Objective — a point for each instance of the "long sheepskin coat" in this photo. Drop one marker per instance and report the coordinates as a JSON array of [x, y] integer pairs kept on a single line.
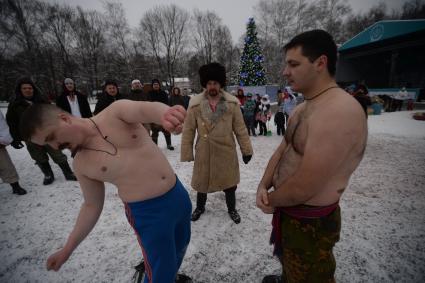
[[216, 165]]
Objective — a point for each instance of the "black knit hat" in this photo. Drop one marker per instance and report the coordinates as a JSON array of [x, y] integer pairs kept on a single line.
[[156, 81], [212, 72]]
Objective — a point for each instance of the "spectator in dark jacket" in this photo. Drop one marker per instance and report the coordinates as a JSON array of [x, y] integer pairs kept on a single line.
[[175, 97], [110, 94], [26, 94], [137, 93], [158, 95], [361, 94], [186, 98], [257, 106], [73, 101]]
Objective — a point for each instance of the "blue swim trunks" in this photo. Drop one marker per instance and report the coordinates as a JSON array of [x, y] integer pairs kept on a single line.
[[162, 226]]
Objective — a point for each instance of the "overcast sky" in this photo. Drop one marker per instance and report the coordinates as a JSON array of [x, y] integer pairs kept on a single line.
[[234, 13]]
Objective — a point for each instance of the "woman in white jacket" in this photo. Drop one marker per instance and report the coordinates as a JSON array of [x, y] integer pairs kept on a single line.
[[7, 170]]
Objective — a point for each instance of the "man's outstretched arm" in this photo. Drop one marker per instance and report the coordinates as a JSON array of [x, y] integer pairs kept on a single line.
[[94, 196], [171, 118]]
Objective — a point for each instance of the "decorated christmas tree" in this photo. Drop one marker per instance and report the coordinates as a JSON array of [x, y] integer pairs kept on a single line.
[[251, 70]]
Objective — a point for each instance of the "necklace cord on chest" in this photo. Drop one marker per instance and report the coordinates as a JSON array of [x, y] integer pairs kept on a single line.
[[105, 138], [320, 93]]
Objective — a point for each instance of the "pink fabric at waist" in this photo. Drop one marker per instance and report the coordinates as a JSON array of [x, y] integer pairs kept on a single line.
[[308, 211]]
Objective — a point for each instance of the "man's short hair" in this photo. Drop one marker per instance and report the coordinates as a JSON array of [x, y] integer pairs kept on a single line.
[[36, 117], [314, 44], [109, 82]]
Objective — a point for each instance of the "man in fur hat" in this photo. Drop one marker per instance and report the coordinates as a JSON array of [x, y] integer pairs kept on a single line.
[[215, 115]]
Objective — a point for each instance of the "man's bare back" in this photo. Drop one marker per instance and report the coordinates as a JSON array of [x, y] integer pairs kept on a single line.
[[336, 112], [130, 160]]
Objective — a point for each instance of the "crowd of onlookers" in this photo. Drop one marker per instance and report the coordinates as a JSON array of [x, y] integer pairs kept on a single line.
[[257, 110]]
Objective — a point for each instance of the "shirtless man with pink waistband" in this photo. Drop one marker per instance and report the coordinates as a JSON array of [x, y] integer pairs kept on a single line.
[[307, 174]]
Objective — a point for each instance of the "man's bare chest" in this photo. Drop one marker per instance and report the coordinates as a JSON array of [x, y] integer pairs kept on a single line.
[[297, 132], [104, 166], [112, 155]]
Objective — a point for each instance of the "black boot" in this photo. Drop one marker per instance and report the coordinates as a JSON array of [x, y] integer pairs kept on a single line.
[[231, 204], [48, 173], [197, 213], [201, 200], [67, 172], [168, 141], [234, 215], [140, 272], [272, 279], [17, 189], [182, 278]]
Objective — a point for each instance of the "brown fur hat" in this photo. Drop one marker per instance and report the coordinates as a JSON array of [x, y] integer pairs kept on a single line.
[[212, 72]]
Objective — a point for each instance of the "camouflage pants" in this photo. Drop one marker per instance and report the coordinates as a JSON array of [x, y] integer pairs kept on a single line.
[[307, 247]]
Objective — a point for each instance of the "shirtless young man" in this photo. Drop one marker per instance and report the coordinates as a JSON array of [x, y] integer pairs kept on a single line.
[[309, 171], [114, 147]]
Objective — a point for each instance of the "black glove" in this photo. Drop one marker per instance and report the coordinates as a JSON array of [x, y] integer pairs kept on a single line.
[[17, 144], [246, 158]]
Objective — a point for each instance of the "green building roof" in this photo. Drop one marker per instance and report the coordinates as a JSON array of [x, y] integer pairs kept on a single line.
[[383, 30]]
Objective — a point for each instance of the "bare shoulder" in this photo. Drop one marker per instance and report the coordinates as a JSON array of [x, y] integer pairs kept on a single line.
[[347, 103], [340, 115], [341, 106], [120, 105]]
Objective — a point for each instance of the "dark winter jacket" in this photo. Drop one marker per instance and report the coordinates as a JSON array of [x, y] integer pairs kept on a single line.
[[105, 100], [139, 95], [63, 103], [249, 107], [176, 100], [158, 96], [186, 100], [19, 104]]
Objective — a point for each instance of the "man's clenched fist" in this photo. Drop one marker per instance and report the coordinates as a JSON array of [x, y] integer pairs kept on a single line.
[[173, 119]]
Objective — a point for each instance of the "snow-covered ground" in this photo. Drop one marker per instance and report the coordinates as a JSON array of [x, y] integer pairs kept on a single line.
[[383, 212]]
